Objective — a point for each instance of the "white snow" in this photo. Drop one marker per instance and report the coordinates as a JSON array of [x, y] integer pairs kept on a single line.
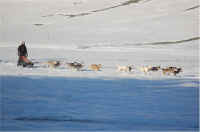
[[109, 57], [117, 36]]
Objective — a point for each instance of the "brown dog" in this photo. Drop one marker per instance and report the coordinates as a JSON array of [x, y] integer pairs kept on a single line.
[[173, 70], [95, 67]]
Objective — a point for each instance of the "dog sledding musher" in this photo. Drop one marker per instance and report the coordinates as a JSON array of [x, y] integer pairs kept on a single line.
[[23, 54]]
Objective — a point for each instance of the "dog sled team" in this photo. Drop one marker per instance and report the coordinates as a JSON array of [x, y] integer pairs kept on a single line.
[[25, 62], [147, 69]]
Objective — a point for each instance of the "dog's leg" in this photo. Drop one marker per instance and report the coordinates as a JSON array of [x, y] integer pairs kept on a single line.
[[163, 72], [167, 73], [51, 67], [145, 71], [175, 73]]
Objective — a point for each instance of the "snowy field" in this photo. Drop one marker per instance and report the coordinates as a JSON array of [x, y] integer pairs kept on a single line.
[[107, 32]]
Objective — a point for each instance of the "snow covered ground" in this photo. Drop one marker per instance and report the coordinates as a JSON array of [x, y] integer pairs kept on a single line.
[[107, 32], [110, 58]]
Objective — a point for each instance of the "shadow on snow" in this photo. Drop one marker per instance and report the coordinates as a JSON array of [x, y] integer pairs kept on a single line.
[[58, 103]]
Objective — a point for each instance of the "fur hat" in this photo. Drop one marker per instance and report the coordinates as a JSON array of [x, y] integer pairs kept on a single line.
[[22, 42]]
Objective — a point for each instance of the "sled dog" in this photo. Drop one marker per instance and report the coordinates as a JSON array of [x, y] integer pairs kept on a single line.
[[171, 70], [145, 69], [75, 65], [154, 68], [124, 68], [52, 64], [95, 67]]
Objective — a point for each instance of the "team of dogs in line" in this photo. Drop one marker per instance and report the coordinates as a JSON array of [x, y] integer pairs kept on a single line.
[[97, 67]]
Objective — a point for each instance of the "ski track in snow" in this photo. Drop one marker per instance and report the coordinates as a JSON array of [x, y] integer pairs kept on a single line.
[[126, 3]]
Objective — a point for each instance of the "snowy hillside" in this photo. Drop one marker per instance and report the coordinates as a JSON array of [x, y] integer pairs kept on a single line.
[[111, 33], [92, 22]]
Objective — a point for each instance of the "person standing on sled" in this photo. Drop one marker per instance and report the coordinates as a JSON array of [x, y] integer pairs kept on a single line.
[[23, 54]]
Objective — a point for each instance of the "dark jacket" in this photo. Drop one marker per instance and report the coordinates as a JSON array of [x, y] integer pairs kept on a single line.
[[22, 51]]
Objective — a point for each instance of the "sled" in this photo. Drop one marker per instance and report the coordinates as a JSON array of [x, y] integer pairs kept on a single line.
[[23, 61]]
